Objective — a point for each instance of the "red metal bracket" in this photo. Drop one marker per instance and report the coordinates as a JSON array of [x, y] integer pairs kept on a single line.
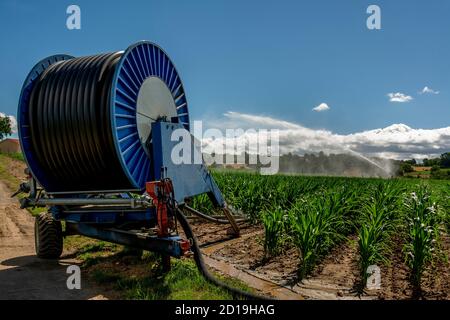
[[161, 193]]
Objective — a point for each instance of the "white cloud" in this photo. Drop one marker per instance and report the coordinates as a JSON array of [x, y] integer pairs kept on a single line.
[[399, 97], [13, 122], [321, 107], [397, 141], [427, 90]]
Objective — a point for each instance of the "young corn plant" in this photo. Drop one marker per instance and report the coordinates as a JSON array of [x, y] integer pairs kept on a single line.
[[273, 221], [446, 207], [314, 231], [379, 220], [372, 244], [202, 203], [424, 220]]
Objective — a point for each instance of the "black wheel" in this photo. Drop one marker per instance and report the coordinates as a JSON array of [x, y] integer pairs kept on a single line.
[[48, 236]]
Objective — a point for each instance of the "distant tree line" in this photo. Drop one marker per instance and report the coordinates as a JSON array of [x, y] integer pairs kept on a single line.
[[439, 166], [443, 161]]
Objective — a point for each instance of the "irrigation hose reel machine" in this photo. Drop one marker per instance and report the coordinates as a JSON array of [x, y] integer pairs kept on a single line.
[[95, 132]]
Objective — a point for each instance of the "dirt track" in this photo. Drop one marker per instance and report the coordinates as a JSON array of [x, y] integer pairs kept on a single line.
[[22, 274]]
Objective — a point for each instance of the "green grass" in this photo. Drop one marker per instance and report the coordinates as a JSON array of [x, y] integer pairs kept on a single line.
[[90, 251], [15, 155], [182, 282], [140, 276], [418, 173], [11, 181]]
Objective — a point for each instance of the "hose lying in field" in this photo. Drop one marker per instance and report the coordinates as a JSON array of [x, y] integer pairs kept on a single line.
[[198, 258], [211, 219]]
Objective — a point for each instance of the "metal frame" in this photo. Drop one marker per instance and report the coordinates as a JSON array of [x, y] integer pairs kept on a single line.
[[106, 219], [109, 214], [189, 179], [106, 216], [172, 245]]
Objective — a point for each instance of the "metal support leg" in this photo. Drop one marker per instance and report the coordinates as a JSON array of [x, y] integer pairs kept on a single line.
[[165, 260], [233, 223]]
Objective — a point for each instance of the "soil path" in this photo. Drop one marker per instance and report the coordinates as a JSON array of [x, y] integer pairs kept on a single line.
[[22, 274], [333, 279]]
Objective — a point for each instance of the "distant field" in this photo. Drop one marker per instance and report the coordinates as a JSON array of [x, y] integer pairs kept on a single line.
[[422, 169], [425, 172]]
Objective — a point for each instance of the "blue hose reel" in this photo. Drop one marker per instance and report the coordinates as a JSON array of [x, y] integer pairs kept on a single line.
[[145, 87], [95, 131]]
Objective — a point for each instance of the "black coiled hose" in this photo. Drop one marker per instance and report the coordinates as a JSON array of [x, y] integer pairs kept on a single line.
[[198, 258], [71, 127]]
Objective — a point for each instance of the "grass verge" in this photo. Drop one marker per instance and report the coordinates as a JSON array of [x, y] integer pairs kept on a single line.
[[10, 180], [138, 275], [8, 164]]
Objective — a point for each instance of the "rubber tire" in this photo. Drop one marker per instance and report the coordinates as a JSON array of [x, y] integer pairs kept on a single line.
[[48, 236]]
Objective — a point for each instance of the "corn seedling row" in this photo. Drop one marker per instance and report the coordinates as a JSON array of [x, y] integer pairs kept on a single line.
[[316, 213], [379, 220], [424, 220]]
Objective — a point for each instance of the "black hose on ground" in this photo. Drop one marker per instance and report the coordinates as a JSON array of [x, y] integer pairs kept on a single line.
[[212, 219], [198, 258]]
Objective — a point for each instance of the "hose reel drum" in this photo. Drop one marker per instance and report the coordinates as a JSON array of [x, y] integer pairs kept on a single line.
[[85, 123]]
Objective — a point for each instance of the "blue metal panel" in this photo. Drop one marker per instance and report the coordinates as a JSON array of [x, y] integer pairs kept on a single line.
[[189, 179], [105, 217], [169, 245], [140, 61]]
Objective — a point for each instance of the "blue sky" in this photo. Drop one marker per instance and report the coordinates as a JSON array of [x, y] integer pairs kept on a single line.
[[274, 58]]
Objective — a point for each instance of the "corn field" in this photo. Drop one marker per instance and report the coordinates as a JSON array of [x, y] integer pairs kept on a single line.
[[314, 214]]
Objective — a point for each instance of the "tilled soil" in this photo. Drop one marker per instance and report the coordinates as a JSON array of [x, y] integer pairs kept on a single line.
[[335, 277], [435, 281]]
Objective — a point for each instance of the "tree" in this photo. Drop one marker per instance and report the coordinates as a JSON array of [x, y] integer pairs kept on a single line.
[[5, 127], [431, 162], [445, 160], [406, 167]]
